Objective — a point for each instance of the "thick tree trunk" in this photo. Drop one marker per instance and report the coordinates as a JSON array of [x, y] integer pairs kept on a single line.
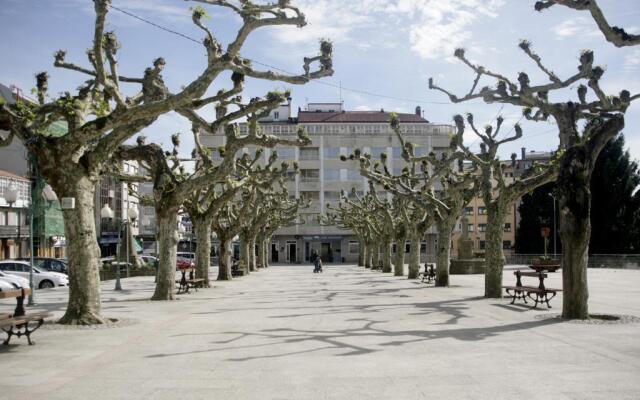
[[386, 255], [265, 252], [368, 260], [361, 253], [83, 307], [398, 262], [494, 256], [376, 255], [414, 255], [224, 270], [168, 243], [203, 251], [252, 253], [574, 199], [244, 253], [364, 254], [445, 229]]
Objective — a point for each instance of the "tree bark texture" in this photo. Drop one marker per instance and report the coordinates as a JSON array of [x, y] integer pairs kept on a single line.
[[244, 253], [494, 256], [376, 255], [203, 251], [398, 262], [83, 307], [574, 200], [445, 230], [386, 255], [414, 255], [368, 259], [224, 258], [168, 243], [261, 258], [252, 253]]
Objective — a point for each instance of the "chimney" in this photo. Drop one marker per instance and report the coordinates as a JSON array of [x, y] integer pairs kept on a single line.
[[524, 153], [418, 111]]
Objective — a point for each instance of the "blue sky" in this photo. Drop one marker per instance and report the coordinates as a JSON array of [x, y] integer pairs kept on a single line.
[[388, 47]]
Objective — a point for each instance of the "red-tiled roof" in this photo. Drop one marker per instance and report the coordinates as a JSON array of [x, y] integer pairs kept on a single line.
[[356, 116], [10, 175]]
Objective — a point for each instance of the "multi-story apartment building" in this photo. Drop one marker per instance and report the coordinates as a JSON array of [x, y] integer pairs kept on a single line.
[[115, 193], [335, 132]]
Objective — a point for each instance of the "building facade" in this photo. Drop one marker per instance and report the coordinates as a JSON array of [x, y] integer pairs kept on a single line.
[[335, 132]]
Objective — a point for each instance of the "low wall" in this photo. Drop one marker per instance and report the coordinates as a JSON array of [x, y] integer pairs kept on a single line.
[[626, 261]]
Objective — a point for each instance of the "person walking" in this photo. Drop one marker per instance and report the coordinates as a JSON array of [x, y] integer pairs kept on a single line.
[[317, 262]]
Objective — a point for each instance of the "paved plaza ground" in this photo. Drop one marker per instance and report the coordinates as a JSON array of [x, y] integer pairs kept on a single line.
[[286, 333]]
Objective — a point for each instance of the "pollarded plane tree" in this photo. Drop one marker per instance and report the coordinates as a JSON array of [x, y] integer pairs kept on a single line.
[[204, 203], [100, 117], [342, 216], [417, 220], [498, 192], [585, 125], [457, 187], [370, 212], [614, 34], [283, 214], [172, 184]]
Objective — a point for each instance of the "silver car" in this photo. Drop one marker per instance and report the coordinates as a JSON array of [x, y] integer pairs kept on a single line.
[[41, 279]]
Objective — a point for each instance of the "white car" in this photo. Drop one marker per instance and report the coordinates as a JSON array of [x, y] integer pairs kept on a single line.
[[6, 286], [15, 280], [41, 279]]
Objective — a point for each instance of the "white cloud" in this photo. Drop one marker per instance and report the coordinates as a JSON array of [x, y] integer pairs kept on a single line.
[[433, 28], [576, 26], [632, 60]]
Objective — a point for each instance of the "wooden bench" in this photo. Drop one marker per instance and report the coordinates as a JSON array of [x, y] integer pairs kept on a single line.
[[236, 270], [18, 323], [429, 274], [522, 292], [185, 284]]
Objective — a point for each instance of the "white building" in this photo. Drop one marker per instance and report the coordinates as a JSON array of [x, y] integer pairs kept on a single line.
[[336, 132]]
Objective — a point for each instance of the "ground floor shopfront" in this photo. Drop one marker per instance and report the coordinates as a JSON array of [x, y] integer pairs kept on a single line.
[[332, 248]]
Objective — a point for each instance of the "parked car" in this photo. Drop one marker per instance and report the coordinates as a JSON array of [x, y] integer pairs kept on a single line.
[[48, 264], [15, 280], [41, 279], [185, 260], [4, 286], [149, 260]]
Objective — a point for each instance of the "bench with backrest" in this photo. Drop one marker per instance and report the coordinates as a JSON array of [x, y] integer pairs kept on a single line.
[[521, 291], [429, 274], [18, 323], [184, 284]]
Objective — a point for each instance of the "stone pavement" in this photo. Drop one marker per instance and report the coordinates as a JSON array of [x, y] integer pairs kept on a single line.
[[286, 333]]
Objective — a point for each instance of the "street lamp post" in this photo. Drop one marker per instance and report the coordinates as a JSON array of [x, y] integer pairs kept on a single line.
[[554, 224], [11, 196], [107, 213]]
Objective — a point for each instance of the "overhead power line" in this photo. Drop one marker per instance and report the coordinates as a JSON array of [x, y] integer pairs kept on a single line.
[[325, 83]]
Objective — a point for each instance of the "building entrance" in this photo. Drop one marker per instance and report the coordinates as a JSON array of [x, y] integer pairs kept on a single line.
[[291, 252], [274, 252]]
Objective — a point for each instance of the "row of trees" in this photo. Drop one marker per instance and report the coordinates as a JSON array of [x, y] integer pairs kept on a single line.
[[229, 196], [434, 184]]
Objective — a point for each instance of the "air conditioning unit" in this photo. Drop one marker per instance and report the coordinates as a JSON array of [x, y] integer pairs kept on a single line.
[[68, 203]]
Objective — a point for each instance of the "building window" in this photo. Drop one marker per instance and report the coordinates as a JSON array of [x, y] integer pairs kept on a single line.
[[407, 247], [276, 115], [506, 244], [376, 151], [354, 175], [507, 227], [397, 152], [286, 153], [290, 176], [331, 196], [423, 247], [309, 175], [332, 153], [309, 195], [470, 227], [483, 245], [354, 247], [468, 211], [309, 153], [482, 210], [332, 175], [482, 227]]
